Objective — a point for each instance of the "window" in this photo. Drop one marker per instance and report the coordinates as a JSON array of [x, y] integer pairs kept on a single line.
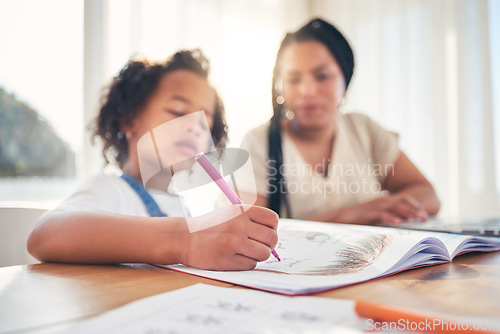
[[41, 122]]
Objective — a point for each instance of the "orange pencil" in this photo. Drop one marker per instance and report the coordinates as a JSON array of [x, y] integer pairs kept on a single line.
[[403, 320]]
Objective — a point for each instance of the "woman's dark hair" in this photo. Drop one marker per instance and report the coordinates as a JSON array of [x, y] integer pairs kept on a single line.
[[129, 92], [315, 30]]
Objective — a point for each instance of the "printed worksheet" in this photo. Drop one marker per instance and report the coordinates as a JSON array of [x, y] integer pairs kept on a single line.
[[205, 308]]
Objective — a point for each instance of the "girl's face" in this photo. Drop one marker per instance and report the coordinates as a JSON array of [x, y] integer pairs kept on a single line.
[[169, 126], [313, 84]]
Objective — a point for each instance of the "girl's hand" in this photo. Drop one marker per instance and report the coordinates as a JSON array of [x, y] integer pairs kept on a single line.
[[393, 208], [231, 238]]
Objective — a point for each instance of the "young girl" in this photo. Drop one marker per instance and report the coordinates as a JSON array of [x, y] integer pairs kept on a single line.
[[321, 164], [113, 219]]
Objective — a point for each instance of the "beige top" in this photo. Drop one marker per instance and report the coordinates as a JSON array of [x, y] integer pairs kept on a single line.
[[363, 155]]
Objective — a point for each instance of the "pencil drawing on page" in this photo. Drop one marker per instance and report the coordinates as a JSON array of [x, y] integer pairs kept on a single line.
[[320, 253]]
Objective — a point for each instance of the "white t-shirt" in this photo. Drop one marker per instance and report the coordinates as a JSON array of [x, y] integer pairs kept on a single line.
[[111, 193], [363, 155]]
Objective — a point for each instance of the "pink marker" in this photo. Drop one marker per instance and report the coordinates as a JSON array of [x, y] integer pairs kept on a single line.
[[222, 184]]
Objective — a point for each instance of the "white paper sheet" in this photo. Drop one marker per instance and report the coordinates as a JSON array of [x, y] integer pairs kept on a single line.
[[204, 308]]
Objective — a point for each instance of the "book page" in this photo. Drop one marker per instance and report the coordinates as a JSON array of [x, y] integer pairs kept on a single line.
[[322, 256], [459, 244], [325, 253]]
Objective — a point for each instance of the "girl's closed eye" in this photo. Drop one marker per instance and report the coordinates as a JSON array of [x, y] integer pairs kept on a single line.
[[175, 113]]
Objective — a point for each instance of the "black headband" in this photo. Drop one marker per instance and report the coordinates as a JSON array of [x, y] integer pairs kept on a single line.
[[327, 34]]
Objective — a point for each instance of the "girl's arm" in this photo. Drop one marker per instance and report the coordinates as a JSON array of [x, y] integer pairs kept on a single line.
[[102, 237], [226, 239]]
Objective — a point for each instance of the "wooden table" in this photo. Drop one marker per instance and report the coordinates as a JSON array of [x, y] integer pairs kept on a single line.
[[46, 298]]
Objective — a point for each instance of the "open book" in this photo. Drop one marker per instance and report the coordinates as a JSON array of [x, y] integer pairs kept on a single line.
[[322, 256]]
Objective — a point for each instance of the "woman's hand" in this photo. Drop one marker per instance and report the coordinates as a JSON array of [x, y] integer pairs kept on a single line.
[[231, 238], [393, 208]]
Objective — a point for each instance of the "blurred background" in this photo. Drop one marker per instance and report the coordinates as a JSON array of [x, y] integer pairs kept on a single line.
[[426, 69]]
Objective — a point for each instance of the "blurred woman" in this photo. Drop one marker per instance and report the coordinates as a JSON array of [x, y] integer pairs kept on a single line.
[[312, 161]]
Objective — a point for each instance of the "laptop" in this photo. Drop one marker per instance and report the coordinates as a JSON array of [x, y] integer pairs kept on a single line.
[[489, 227]]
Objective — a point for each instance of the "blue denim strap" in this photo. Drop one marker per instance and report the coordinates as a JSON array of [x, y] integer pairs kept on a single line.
[[147, 199]]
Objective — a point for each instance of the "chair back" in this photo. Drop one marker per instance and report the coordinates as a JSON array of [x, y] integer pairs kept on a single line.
[[16, 225]]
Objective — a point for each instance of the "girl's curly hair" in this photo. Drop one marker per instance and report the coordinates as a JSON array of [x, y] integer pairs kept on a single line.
[[129, 92]]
